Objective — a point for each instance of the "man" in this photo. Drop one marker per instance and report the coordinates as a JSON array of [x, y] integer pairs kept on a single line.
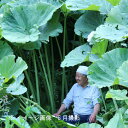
[[85, 98]]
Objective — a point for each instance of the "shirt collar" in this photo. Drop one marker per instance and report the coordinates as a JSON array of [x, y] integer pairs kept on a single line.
[[81, 86]]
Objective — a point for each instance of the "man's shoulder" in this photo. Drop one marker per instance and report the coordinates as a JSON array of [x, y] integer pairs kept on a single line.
[[93, 87], [75, 85]]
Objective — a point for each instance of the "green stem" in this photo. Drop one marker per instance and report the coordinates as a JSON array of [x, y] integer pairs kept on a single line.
[[42, 74], [63, 84], [22, 108], [34, 103], [49, 76], [52, 58], [47, 83], [30, 85], [27, 74], [36, 79], [60, 53], [63, 71], [27, 93], [47, 63], [41, 109], [64, 36]]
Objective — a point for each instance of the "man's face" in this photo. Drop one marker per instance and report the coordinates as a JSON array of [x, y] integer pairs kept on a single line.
[[81, 79]]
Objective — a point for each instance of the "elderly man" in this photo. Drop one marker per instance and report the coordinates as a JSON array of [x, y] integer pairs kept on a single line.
[[84, 97]]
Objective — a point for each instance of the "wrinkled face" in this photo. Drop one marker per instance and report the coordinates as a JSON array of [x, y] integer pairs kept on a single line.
[[81, 79]]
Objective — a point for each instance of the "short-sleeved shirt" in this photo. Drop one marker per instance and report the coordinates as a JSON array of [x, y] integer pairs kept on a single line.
[[84, 99]]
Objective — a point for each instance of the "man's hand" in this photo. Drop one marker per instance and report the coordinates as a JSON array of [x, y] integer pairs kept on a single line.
[[92, 118], [62, 108], [56, 114]]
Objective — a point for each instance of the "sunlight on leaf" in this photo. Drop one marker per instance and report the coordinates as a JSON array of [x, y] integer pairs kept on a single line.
[[114, 2], [115, 27], [99, 48], [117, 94], [96, 5]]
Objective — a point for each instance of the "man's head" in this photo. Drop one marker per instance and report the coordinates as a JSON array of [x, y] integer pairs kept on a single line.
[[81, 75]]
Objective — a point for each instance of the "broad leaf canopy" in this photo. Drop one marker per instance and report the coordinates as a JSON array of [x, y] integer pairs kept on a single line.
[[78, 55], [114, 2], [51, 29], [123, 74], [9, 68], [5, 49], [96, 5], [115, 27], [21, 24], [16, 88], [117, 94], [103, 72], [88, 22], [117, 121]]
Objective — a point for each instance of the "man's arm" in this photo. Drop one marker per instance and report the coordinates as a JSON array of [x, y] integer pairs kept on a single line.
[[92, 118], [66, 102], [61, 109]]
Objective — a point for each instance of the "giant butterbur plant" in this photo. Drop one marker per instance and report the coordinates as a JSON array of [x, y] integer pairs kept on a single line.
[[38, 35]]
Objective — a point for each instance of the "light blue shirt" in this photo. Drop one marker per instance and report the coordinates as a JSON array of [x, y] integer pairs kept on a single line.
[[84, 99]]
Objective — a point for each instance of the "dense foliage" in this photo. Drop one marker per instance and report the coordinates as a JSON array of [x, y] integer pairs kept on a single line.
[[41, 44]]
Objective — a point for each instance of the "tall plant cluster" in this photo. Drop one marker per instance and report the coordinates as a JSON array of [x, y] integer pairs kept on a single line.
[[41, 43]]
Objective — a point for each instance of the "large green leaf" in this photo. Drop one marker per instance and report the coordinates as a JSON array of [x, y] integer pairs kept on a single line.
[[31, 109], [99, 48], [16, 88], [20, 122], [117, 121], [114, 33], [114, 2], [117, 94], [4, 1], [103, 72], [77, 56], [56, 3], [123, 74], [20, 24], [5, 49], [9, 68], [87, 125], [102, 5], [51, 29], [115, 27], [29, 45], [88, 22]]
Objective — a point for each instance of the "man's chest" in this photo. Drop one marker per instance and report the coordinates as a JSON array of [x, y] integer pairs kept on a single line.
[[83, 96]]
